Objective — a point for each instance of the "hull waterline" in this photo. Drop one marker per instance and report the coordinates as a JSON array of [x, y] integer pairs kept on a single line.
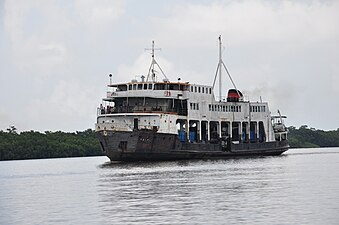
[[131, 146]]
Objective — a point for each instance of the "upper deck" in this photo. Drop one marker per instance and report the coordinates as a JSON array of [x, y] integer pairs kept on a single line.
[[167, 90]]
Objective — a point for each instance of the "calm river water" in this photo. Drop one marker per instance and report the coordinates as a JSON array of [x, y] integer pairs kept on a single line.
[[298, 187]]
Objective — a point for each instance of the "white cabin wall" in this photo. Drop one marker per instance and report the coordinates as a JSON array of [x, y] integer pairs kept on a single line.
[[168, 124], [115, 123]]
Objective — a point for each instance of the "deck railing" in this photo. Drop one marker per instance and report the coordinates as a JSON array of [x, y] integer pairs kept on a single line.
[[131, 109]]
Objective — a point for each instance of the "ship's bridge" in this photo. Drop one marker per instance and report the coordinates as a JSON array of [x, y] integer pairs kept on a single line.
[[148, 90]]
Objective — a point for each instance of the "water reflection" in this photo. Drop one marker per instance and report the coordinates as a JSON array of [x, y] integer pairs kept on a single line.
[[136, 192]]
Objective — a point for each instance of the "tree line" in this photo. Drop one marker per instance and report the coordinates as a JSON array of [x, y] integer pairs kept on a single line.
[[306, 137], [36, 145]]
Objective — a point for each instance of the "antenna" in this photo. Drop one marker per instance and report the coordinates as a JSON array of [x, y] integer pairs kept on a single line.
[[110, 79], [221, 63], [151, 70]]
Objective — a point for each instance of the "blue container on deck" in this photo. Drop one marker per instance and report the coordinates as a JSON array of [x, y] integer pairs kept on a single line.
[[252, 136], [192, 136], [182, 136]]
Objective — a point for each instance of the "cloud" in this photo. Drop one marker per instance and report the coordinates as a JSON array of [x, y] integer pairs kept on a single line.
[[141, 67], [248, 22], [68, 105], [97, 14], [42, 34], [335, 78], [4, 118], [36, 46]]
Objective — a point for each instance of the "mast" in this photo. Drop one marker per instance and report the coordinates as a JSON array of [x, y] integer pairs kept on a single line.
[[221, 63], [151, 70]]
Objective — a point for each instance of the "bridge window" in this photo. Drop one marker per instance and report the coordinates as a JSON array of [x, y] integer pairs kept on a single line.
[[150, 86], [175, 87], [122, 87], [159, 87]]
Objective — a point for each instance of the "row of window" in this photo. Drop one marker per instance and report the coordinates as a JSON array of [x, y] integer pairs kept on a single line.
[[140, 87], [224, 108], [258, 108], [234, 108], [145, 86], [201, 89], [194, 106], [149, 86]]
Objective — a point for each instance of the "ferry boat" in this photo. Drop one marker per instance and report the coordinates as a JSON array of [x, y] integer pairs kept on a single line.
[[147, 119]]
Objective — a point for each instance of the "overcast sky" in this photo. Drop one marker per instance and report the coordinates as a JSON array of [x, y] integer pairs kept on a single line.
[[55, 56]]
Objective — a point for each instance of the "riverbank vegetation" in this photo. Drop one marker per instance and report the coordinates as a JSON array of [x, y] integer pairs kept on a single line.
[[36, 145], [306, 137]]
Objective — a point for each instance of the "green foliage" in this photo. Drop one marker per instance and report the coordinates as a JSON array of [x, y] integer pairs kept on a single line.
[[36, 145], [306, 137]]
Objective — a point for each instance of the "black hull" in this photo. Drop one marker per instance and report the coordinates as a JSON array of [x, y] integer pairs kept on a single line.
[[151, 146]]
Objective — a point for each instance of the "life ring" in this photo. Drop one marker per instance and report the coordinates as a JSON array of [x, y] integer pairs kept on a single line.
[[167, 93], [105, 133]]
